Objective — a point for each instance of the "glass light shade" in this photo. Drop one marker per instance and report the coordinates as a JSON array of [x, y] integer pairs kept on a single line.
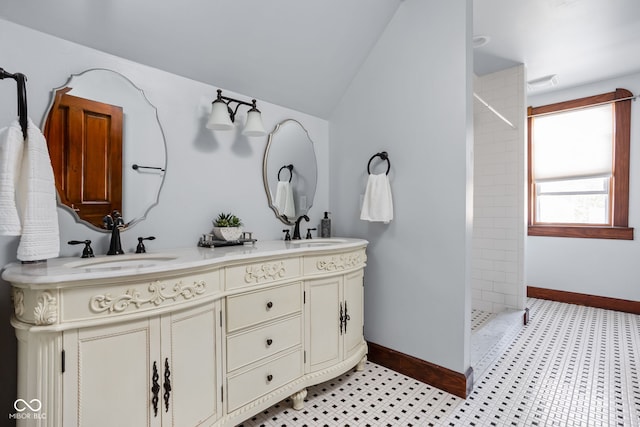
[[219, 118], [254, 126]]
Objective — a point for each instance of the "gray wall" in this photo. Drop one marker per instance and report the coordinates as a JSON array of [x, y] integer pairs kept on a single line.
[[206, 172], [412, 98], [602, 267]]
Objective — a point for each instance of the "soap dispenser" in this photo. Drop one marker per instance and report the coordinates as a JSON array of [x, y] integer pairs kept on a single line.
[[325, 226]]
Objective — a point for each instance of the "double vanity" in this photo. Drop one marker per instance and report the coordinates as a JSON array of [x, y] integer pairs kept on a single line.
[[187, 337]]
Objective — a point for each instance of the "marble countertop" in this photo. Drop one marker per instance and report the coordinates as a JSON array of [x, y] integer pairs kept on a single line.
[[74, 269]]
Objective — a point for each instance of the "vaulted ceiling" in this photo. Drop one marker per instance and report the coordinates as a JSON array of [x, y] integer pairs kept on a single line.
[[303, 54]]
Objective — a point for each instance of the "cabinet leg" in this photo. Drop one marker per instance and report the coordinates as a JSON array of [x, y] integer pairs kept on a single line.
[[361, 364], [298, 399]]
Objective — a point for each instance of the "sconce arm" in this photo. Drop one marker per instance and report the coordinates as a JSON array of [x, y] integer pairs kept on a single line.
[[227, 100]]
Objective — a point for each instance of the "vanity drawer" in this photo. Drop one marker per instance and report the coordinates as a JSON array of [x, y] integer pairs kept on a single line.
[[247, 347], [253, 308], [334, 262], [257, 273], [250, 385]]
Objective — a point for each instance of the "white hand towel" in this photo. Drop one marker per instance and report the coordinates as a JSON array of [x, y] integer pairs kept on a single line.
[[284, 199], [11, 147], [36, 197], [377, 205]]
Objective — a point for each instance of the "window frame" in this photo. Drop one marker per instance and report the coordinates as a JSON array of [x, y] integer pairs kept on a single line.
[[619, 194]]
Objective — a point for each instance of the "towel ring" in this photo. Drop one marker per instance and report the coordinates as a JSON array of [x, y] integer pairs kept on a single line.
[[384, 156], [290, 167]]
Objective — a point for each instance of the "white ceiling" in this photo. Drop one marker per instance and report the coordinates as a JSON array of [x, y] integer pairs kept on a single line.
[[303, 54], [581, 41]]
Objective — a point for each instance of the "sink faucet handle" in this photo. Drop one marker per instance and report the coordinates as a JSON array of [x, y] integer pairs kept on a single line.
[[309, 232], [287, 235], [140, 249], [87, 252]]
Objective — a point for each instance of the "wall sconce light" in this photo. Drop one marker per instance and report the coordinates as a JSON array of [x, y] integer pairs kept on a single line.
[[222, 116]]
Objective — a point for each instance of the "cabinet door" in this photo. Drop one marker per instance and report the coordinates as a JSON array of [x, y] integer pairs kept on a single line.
[[323, 339], [354, 308], [190, 367], [109, 374]]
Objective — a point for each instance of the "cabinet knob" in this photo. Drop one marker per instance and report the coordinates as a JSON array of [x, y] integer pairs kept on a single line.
[[269, 378], [269, 305], [269, 341]]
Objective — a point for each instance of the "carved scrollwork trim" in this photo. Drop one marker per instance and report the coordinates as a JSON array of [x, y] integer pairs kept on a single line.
[[264, 272], [157, 295], [18, 301], [46, 310], [340, 262]]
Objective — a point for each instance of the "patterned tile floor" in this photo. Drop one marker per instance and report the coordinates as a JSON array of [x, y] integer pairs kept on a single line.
[[571, 366]]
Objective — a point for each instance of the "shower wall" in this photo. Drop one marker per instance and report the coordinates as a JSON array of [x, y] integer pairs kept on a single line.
[[499, 223]]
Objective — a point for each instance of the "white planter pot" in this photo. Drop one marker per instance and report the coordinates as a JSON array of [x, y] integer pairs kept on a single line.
[[227, 233]]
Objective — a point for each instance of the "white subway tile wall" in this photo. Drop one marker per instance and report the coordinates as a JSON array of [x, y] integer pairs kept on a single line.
[[499, 192]]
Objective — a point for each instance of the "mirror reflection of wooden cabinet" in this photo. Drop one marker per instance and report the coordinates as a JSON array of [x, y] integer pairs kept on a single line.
[[85, 146], [143, 143]]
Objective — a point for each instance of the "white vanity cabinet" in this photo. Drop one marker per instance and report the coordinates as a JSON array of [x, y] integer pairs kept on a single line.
[[264, 342], [194, 337], [107, 367], [193, 354], [335, 319], [158, 371]]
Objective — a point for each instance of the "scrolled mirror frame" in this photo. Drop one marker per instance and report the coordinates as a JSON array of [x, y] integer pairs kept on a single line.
[[153, 203], [283, 218]]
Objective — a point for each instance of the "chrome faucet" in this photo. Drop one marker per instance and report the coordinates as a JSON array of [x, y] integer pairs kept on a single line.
[[296, 229]]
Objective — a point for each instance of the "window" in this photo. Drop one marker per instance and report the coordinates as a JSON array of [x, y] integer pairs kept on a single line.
[[579, 167]]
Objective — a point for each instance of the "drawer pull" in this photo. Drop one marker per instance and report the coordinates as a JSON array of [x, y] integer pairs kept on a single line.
[[269, 305], [269, 378], [269, 341]]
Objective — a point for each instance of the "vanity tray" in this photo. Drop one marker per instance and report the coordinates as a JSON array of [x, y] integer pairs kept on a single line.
[[214, 243]]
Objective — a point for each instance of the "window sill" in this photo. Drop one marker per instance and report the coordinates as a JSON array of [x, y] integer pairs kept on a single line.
[[618, 233]]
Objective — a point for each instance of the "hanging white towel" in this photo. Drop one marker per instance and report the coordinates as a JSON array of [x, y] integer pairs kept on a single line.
[[284, 199], [36, 196], [377, 205], [11, 147]]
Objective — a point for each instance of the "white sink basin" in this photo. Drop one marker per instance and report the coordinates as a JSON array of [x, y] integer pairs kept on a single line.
[[120, 262], [318, 242]]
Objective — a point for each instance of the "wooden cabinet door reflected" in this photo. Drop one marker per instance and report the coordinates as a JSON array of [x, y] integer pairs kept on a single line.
[[85, 146]]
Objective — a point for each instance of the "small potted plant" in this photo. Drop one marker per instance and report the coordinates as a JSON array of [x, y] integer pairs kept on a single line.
[[227, 227]]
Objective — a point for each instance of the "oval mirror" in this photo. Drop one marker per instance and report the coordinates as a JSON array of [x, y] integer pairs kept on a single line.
[[289, 171], [107, 148]]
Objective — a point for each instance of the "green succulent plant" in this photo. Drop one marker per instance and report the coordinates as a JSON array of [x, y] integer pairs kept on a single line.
[[227, 220]]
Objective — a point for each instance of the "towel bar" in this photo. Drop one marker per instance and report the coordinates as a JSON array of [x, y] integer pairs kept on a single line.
[[22, 97], [136, 167]]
